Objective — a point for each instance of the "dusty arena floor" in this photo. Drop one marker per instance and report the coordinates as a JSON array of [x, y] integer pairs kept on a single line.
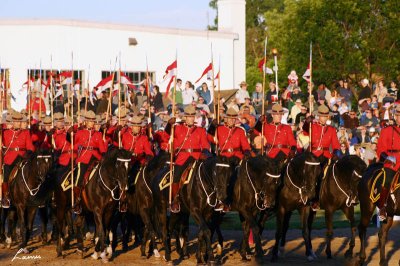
[[46, 254]]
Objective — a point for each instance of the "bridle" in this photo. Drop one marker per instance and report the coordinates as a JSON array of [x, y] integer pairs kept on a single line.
[[300, 189], [116, 186], [349, 200], [204, 189], [41, 176]]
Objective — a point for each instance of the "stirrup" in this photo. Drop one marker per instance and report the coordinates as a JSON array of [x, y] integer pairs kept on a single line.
[[382, 215], [175, 210], [315, 206], [123, 207], [5, 203], [219, 207]]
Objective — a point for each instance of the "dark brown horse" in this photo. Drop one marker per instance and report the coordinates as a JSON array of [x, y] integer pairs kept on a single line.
[[299, 183], [29, 190], [339, 192], [366, 192]]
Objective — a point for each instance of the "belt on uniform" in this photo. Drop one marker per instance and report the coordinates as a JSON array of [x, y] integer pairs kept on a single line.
[[90, 148], [188, 150], [64, 152], [393, 150], [15, 149], [280, 146], [320, 149], [231, 150]]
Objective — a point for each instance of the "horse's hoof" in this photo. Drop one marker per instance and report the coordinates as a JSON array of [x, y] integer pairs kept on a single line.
[[310, 258], [219, 250], [313, 255], [281, 252], [103, 257], [246, 257], [95, 255], [156, 253], [109, 252]]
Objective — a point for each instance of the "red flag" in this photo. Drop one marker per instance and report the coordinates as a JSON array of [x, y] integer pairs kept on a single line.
[[169, 85], [67, 75], [171, 70], [104, 84], [125, 79], [206, 72], [217, 76], [261, 66]]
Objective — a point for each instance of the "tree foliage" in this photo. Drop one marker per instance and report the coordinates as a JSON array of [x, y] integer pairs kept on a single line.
[[351, 38]]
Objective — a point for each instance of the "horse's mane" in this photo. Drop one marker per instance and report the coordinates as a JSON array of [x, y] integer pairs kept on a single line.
[[110, 157], [259, 163]]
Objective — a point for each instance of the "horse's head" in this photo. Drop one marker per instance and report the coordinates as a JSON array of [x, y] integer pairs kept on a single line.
[[309, 169], [350, 170], [122, 166], [223, 172], [267, 178], [41, 163]]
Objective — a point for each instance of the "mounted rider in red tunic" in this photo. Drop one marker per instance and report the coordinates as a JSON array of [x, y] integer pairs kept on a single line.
[[190, 144], [234, 146], [17, 145], [324, 143], [388, 150]]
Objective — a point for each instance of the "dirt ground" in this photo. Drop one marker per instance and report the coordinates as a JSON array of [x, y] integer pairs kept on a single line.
[[294, 251]]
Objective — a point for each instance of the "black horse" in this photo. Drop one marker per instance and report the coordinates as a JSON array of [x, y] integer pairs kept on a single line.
[[254, 190], [339, 191], [366, 192], [30, 189], [299, 183]]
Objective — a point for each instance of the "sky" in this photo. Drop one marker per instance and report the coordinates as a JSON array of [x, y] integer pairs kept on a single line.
[[188, 14]]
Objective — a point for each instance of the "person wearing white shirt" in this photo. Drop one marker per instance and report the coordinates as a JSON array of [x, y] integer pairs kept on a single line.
[[188, 94], [242, 93]]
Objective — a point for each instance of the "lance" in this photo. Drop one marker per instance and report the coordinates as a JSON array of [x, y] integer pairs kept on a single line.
[[119, 101], [219, 91], [148, 98], [275, 54], [171, 140], [2, 88], [109, 109], [29, 97], [72, 133], [311, 103], [51, 91], [1, 135], [40, 90], [87, 91], [78, 94], [263, 96], [216, 105]]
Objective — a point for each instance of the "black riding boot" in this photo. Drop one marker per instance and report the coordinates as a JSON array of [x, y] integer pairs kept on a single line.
[[5, 202], [77, 208], [382, 204]]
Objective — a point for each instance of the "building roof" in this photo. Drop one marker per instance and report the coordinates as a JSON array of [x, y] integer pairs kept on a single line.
[[114, 26]]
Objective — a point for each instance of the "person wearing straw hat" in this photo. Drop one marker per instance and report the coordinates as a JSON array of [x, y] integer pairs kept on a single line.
[[17, 145], [388, 150], [62, 145], [323, 140], [234, 146], [90, 147], [137, 143], [190, 145], [279, 140]]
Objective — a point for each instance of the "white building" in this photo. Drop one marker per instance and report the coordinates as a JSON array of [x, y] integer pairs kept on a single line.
[[49, 44]]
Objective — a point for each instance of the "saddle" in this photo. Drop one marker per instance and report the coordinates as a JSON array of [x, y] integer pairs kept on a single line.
[[185, 178], [66, 183], [15, 170], [379, 180]]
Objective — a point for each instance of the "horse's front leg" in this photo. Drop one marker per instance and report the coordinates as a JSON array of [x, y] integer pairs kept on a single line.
[[349, 212], [30, 217], [204, 237], [108, 218], [250, 218], [305, 211], [383, 232], [329, 231], [44, 220], [280, 215], [23, 229]]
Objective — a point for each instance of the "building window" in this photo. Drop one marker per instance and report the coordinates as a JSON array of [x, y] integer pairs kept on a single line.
[[135, 77]]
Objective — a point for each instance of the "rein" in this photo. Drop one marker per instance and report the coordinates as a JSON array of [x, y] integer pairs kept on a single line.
[[349, 201], [144, 179], [117, 186], [35, 190], [257, 195], [204, 189]]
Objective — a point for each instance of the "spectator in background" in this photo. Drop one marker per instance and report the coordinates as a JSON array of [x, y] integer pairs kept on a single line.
[[368, 120], [247, 104], [364, 95], [201, 105], [297, 94], [140, 97], [343, 108], [178, 93], [350, 120], [335, 118], [257, 98], [362, 136], [242, 93], [344, 151], [300, 117], [374, 103], [204, 92], [271, 94], [342, 135], [296, 109], [346, 94], [393, 92], [380, 91], [157, 99], [188, 94]]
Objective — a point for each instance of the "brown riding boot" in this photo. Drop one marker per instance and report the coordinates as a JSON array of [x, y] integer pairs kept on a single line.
[[175, 206], [382, 204], [5, 201], [77, 208]]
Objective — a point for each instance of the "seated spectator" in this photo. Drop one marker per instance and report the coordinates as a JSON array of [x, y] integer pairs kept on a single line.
[[374, 103], [344, 151], [350, 120], [247, 104], [297, 94], [201, 105], [335, 118], [301, 116], [368, 120], [343, 108], [362, 136], [296, 109], [342, 135]]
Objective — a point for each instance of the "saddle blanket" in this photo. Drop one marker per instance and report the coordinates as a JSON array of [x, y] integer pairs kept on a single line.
[[185, 178], [379, 180], [66, 183]]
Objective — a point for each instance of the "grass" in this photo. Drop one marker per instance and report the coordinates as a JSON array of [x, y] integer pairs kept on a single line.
[[231, 220]]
